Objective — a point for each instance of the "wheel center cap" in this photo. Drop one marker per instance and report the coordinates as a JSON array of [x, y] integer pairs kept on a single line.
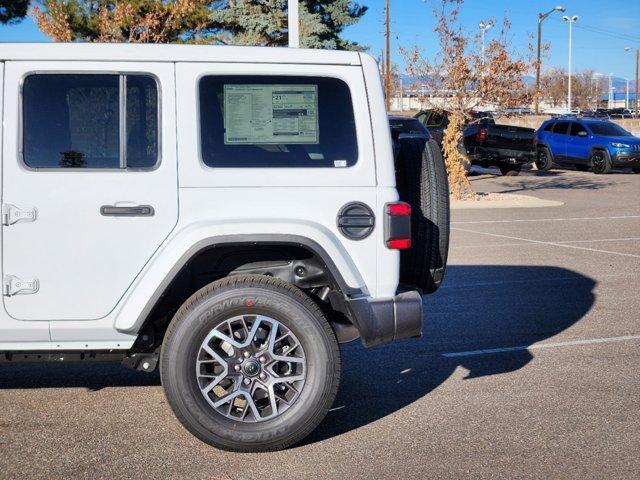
[[251, 368]]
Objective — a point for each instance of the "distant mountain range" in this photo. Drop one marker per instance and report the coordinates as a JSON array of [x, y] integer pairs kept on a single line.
[[619, 83]]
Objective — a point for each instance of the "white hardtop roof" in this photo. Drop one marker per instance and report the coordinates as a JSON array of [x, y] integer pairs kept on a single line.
[[127, 52]]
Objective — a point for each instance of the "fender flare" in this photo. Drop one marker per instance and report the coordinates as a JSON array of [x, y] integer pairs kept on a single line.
[[230, 240]]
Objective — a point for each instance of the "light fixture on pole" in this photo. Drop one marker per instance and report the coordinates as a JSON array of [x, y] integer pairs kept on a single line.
[[570, 21], [484, 26], [541, 18], [293, 24]]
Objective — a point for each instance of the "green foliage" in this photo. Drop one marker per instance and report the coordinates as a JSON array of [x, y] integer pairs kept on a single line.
[[12, 11], [263, 22], [233, 22]]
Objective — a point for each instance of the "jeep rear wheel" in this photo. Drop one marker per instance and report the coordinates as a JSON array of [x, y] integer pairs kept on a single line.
[[249, 363], [421, 179]]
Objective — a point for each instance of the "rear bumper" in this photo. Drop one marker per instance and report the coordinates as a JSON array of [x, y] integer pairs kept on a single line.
[[502, 155], [383, 321]]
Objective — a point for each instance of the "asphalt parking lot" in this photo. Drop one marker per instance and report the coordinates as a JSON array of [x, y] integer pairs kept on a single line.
[[528, 368]]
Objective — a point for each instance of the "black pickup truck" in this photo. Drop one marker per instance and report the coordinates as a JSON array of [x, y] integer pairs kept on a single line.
[[487, 143]]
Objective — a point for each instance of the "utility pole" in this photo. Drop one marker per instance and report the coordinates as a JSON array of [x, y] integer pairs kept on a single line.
[[293, 24], [541, 18], [387, 56], [570, 21]]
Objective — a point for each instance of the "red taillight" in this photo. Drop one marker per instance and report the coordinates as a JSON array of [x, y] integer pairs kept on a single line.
[[482, 134], [399, 243], [399, 209], [398, 226]]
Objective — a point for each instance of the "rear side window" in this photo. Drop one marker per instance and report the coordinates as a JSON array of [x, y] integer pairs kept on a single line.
[[575, 129], [548, 127], [409, 125], [561, 128], [89, 121], [251, 121], [436, 119]]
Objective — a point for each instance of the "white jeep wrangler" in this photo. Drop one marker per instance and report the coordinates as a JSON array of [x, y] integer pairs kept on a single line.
[[229, 213]]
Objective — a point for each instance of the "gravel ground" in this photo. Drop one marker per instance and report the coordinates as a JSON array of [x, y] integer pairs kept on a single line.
[[528, 368]]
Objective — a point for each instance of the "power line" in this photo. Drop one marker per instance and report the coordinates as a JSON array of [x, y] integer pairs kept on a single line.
[[609, 33]]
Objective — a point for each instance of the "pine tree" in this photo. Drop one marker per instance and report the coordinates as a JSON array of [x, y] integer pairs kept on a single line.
[[264, 22], [12, 11], [233, 22]]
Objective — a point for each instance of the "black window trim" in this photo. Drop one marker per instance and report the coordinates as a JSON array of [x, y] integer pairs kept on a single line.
[[121, 125], [203, 75]]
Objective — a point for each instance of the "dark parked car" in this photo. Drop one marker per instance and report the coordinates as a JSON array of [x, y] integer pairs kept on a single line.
[[437, 121], [406, 127], [586, 144], [487, 143]]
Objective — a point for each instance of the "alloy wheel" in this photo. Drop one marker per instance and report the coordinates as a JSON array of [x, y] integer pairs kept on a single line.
[[251, 368]]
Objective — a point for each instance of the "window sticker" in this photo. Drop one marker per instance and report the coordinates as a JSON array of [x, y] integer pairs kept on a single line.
[[270, 114]]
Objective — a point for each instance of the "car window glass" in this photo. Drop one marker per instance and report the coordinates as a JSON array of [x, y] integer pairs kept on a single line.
[[561, 128], [435, 119], [548, 127], [411, 126], [575, 129], [73, 121], [608, 129], [276, 121]]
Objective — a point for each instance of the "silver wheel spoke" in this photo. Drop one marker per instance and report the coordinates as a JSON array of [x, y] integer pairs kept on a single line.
[[251, 368]]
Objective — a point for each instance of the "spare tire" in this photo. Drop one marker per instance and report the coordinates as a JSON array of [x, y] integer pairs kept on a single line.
[[421, 180]]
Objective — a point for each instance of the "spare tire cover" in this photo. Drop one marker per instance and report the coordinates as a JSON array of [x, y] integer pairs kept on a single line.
[[421, 180]]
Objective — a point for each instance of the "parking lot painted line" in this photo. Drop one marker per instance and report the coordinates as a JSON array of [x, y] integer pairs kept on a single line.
[[488, 245], [539, 346], [529, 220], [555, 244], [628, 239]]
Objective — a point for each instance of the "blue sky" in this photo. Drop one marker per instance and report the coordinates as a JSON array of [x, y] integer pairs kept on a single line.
[[617, 22], [599, 37]]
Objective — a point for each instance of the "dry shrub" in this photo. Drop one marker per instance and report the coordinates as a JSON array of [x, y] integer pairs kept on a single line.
[[460, 79], [455, 159]]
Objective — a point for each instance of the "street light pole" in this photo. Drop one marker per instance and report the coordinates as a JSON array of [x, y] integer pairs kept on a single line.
[[635, 98], [484, 27], [570, 21], [541, 18], [626, 103]]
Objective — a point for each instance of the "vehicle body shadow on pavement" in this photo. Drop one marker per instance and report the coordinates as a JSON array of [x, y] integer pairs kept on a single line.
[[478, 307]]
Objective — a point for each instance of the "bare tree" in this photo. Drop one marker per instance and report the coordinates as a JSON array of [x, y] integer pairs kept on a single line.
[[461, 78]]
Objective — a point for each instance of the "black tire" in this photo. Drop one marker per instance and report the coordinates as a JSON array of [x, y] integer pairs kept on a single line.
[[249, 295], [600, 162], [582, 168], [422, 182], [544, 160], [510, 170], [636, 169]]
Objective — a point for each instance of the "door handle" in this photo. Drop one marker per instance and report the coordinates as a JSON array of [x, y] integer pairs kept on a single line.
[[130, 211]]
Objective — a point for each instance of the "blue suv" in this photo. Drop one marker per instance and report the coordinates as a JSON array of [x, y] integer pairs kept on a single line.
[[586, 144]]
